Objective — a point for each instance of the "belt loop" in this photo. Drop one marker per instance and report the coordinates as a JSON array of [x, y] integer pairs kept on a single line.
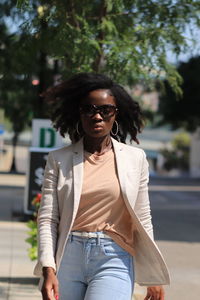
[[71, 237], [98, 239]]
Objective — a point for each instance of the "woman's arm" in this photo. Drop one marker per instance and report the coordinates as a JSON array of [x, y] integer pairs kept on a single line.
[[143, 212], [142, 205], [48, 220], [48, 215]]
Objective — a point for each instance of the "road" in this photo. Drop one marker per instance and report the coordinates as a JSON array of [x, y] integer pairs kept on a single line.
[[175, 205], [175, 214]]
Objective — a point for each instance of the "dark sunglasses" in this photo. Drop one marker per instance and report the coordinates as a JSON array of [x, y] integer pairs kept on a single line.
[[106, 111]]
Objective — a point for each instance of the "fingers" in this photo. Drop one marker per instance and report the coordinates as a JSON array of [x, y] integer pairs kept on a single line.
[[162, 294], [155, 293], [50, 284], [50, 291], [47, 293], [56, 293], [147, 297]]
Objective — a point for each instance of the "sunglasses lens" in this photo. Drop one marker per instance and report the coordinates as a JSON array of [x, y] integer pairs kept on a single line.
[[104, 110], [108, 110]]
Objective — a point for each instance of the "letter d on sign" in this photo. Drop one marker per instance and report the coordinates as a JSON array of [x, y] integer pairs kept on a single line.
[[47, 137]]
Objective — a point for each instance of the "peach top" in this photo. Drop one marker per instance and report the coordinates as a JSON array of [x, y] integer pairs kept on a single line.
[[102, 206]]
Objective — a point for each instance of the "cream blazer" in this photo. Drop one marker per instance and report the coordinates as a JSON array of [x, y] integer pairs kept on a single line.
[[61, 193]]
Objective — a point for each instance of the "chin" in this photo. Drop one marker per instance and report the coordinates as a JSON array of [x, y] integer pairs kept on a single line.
[[97, 134]]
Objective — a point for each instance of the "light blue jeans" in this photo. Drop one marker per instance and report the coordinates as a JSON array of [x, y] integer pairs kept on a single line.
[[95, 269]]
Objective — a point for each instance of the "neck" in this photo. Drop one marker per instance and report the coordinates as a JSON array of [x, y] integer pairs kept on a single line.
[[97, 145]]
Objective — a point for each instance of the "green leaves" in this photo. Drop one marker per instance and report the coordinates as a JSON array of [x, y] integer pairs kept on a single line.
[[32, 239], [22, 3], [108, 27], [102, 35], [126, 39]]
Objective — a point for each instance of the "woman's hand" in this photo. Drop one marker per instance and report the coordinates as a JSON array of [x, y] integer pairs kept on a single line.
[[155, 293], [50, 285]]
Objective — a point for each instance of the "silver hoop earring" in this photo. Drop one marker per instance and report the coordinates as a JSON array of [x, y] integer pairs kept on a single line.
[[77, 128], [117, 129]]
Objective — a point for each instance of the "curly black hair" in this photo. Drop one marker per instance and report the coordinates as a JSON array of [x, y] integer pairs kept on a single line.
[[64, 101]]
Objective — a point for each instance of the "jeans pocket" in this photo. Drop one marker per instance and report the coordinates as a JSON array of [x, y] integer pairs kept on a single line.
[[113, 249]]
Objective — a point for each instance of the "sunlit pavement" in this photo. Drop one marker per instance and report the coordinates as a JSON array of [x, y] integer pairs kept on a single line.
[[16, 281]]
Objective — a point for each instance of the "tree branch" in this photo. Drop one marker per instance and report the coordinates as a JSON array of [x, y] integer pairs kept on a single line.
[[100, 37]]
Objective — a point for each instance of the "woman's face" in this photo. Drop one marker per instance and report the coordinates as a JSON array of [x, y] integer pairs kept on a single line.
[[98, 113]]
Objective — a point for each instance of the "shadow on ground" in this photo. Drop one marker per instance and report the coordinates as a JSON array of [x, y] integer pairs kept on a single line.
[[20, 280]]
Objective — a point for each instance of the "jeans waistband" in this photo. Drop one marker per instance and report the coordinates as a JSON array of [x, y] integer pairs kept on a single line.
[[90, 235]]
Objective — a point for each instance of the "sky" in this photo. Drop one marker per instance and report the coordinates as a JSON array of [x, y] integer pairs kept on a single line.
[[193, 41]]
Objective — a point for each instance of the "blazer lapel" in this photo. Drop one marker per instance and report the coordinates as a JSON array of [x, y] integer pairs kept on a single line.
[[77, 174], [124, 167], [120, 162]]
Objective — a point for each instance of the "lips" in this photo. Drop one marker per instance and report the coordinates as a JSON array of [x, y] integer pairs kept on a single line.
[[96, 126]]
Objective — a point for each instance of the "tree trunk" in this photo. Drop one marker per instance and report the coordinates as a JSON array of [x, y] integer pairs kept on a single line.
[[13, 168], [39, 110], [100, 37]]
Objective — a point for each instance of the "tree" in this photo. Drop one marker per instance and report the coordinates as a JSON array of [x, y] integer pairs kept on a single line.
[[15, 85], [183, 111], [20, 63], [126, 39]]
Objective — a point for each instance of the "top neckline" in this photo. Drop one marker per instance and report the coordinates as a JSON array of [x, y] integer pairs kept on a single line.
[[95, 157]]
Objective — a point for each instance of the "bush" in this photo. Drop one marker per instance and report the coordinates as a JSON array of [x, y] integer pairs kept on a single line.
[[178, 156], [32, 225]]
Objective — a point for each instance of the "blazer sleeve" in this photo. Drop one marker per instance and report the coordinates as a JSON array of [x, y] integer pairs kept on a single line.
[[142, 205], [48, 216]]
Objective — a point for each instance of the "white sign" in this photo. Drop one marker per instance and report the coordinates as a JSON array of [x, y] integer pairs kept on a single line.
[[44, 135], [194, 154]]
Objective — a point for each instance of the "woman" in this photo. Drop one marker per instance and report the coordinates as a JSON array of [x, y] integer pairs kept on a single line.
[[94, 224]]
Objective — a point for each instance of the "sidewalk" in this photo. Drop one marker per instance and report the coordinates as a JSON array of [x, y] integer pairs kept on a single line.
[[16, 280]]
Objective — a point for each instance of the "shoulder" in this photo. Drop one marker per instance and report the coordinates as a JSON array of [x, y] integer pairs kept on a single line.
[[136, 157], [131, 149], [131, 155]]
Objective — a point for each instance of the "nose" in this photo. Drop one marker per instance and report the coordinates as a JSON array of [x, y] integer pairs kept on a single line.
[[97, 116]]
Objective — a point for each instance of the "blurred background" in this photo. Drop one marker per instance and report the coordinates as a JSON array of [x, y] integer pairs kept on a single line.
[[150, 47]]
